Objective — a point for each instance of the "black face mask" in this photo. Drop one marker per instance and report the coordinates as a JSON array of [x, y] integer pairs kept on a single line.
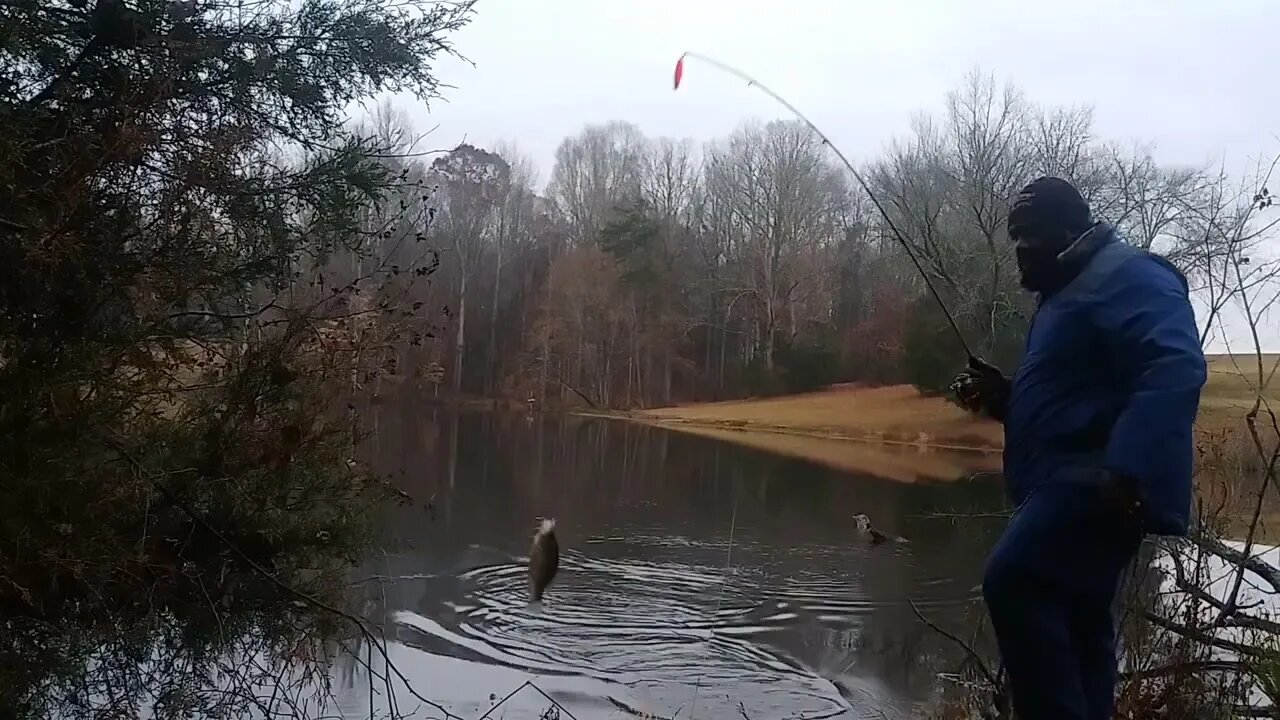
[[1045, 267], [1039, 268]]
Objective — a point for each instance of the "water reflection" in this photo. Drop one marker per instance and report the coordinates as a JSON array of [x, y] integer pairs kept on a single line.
[[698, 579]]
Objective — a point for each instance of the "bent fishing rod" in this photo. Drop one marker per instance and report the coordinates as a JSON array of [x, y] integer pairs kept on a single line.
[[866, 188]]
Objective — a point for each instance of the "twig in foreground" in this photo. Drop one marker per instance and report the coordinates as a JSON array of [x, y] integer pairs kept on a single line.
[[270, 577], [973, 655]]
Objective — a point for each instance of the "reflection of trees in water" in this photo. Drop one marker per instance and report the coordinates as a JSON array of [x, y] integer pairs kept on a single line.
[[575, 469], [671, 499], [373, 598]]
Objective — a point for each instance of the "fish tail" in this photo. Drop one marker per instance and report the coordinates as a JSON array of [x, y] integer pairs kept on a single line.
[[547, 526]]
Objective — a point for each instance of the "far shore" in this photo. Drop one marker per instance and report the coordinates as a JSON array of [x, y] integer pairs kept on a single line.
[[896, 431], [891, 432]]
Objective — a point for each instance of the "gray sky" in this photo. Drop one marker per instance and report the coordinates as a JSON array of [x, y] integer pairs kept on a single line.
[[1194, 77]]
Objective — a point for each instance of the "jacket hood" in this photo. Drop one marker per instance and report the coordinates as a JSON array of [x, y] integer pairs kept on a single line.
[[1078, 254]]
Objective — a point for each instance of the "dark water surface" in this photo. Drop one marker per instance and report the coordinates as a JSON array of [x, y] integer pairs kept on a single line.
[[698, 579]]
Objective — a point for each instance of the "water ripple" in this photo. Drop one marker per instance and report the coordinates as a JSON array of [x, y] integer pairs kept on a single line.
[[647, 617], [657, 633]]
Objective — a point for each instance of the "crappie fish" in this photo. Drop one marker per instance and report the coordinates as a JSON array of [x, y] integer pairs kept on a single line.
[[544, 559]]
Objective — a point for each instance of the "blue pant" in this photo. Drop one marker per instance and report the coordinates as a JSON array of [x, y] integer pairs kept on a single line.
[[1050, 584]]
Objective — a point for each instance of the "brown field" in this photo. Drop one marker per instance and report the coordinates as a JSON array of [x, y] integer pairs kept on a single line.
[[899, 414], [896, 432], [895, 414], [1230, 393]]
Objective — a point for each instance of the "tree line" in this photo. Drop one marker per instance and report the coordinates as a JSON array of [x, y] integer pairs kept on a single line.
[[653, 270]]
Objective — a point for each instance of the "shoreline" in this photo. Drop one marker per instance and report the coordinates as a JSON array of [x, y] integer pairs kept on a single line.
[[899, 415], [896, 430], [891, 416], [891, 432], [870, 439], [892, 460]]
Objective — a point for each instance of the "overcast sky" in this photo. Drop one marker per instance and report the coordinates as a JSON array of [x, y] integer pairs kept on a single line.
[[1195, 77]]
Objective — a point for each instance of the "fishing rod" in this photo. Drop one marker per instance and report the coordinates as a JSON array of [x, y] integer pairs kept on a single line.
[[866, 188]]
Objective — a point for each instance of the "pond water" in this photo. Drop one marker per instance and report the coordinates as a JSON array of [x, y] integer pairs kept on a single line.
[[698, 579]]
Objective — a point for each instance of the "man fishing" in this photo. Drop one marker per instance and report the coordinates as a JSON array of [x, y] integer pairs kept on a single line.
[[1098, 446]]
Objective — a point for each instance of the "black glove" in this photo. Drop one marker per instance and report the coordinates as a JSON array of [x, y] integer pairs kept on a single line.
[[981, 387], [1120, 496]]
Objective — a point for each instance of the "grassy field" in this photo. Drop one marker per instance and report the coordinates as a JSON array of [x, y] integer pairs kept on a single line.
[[1230, 392], [896, 415], [898, 431]]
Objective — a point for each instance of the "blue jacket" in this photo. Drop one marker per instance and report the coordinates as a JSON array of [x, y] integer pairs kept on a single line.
[[1110, 381]]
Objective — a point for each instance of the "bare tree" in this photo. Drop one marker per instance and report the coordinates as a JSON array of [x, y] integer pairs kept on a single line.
[[596, 172], [671, 188], [785, 195], [720, 257], [473, 184], [514, 231]]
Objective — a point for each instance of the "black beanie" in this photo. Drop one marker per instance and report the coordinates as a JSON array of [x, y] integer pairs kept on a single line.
[[1046, 205]]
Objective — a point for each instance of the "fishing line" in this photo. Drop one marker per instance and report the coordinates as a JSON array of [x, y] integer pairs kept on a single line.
[[866, 188], [724, 580]]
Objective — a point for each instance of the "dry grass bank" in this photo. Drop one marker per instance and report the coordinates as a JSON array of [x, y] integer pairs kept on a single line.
[[1230, 393], [890, 432], [900, 414], [897, 429], [896, 415]]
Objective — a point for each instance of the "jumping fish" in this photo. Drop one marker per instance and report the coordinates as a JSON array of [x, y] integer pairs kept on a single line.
[[544, 559]]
